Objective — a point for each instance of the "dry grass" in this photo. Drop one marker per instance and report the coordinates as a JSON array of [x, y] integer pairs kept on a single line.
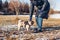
[[12, 19], [5, 20]]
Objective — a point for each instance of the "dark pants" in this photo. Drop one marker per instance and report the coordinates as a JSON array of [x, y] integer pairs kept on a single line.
[[39, 22]]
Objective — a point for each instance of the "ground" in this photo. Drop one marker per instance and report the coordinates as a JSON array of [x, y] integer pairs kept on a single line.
[[51, 27], [47, 34]]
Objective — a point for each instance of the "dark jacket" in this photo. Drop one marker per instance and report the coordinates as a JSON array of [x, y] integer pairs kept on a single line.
[[43, 8]]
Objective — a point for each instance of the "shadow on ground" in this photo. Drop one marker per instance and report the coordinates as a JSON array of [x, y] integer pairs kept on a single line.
[[35, 30], [51, 28]]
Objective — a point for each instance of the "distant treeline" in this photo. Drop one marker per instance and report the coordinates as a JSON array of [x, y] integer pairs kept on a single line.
[[11, 8], [16, 7]]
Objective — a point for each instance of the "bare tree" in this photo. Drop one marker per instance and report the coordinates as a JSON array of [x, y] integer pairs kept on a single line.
[[16, 6]]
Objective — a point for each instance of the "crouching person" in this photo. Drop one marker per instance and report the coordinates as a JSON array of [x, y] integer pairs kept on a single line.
[[43, 7]]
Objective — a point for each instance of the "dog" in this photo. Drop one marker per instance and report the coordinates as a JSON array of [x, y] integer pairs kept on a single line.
[[20, 24], [25, 24], [28, 24]]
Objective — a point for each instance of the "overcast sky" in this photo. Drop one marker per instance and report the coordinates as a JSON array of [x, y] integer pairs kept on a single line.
[[54, 3]]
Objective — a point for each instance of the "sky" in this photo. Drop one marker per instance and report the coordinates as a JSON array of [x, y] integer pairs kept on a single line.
[[55, 4]]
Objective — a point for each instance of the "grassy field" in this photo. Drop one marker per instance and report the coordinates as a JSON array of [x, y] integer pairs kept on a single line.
[[13, 19]]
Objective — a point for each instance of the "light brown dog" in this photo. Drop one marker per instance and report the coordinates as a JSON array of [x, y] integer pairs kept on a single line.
[[20, 24], [25, 24]]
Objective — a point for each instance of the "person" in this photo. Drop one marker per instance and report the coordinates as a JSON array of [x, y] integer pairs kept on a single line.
[[43, 7]]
